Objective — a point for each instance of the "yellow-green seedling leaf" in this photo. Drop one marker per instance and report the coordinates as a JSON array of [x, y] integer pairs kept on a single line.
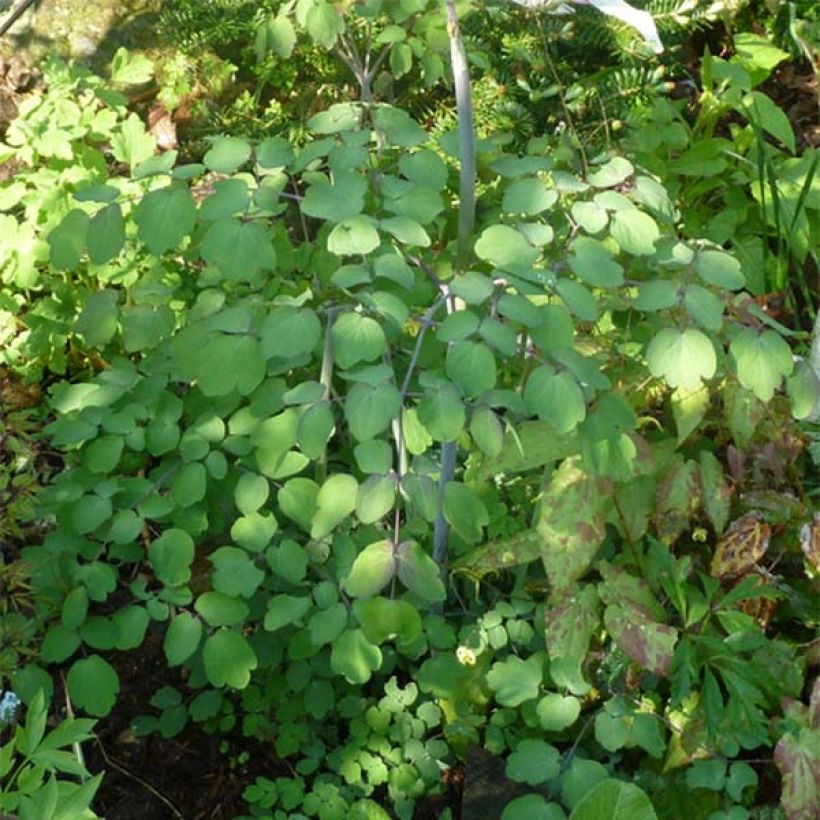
[[614, 800], [354, 657], [375, 498], [684, 358], [534, 762], [594, 263], [762, 360], [419, 572], [372, 570], [557, 712], [384, 619], [284, 610], [227, 154], [171, 555], [335, 500], [93, 685], [228, 659], [471, 365], [514, 680], [464, 511], [356, 338], [165, 217], [719, 269], [182, 638]]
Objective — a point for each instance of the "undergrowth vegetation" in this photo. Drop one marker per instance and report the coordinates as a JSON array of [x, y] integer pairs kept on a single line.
[[386, 492]]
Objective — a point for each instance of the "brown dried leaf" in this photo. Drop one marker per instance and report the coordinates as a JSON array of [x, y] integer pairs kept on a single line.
[[742, 546]]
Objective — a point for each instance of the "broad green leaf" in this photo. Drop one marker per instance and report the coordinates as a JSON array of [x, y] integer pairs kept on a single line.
[[288, 332], [189, 484], [375, 498], [590, 216], [464, 511], [182, 638], [228, 364], [145, 326], [336, 201], [762, 360], [717, 492], [354, 657], [557, 712], [275, 34], [106, 234], [528, 196], [353, 236], [164, 218], [131, 69], [804, 391], [228, 659], [514, 680], [505, 247], [532, 807], [325, 625], [762, 110], [239, 249], [555, 397], [89, 512], [67, 242], [254, 530], [250, 493], [471, 365], [227, 154], [689, 408], [171, 556], [284, 610], [384, 619], [93, 685], [648, 643], [657, 294], [704, 307], [274, 152], [534, 762], [419, 572], [442, 413], [719, 269], [369, 409], [372, 570], [97, 322], [103, 454], [487, 432], [356, 338], [612, 173], [578, 299], [131, 143], [684, 358], [324, 23], [297, 500], [234, 572], [335, 500], [635, 232], [614, 800], [457, 326], [594, 263], [316, 425]]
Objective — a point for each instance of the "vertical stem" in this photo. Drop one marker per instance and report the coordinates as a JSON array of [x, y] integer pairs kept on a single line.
[[466, 222], [326, 380]]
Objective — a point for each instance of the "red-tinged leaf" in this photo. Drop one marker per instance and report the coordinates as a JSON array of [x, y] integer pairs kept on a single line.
[[619, 587], [571, 621], [648, 643]]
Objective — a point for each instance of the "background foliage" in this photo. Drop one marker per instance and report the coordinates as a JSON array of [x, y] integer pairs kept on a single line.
[[380, 513]]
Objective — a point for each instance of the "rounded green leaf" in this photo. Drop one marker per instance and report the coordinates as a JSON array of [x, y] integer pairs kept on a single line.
[[719, 269], [93, 685], [354, 656], [254, 531], [182, 638], [369, 409], [89, 512], [594, 263], [288, 332], [106, 234], [614, 800], [464, 511], [372, 570], [355, 235], [635, 232], [419, 572], [505, 247], [227, 154], [684, 358], [611, 173], [442, 413], [171, 556], [375, 498], [356, 338], [189, 484], [762, 360], [558, 712], [487, 432], [103, 454], [532, 807], [228, 659], [335, 500], [250, 493], [528, 196], [285, 609], [125, 527], [239, 249], [514, 680], [534, 762], [165, 217], [234, 572], [219, 609], [555, 397], [471, 365]]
